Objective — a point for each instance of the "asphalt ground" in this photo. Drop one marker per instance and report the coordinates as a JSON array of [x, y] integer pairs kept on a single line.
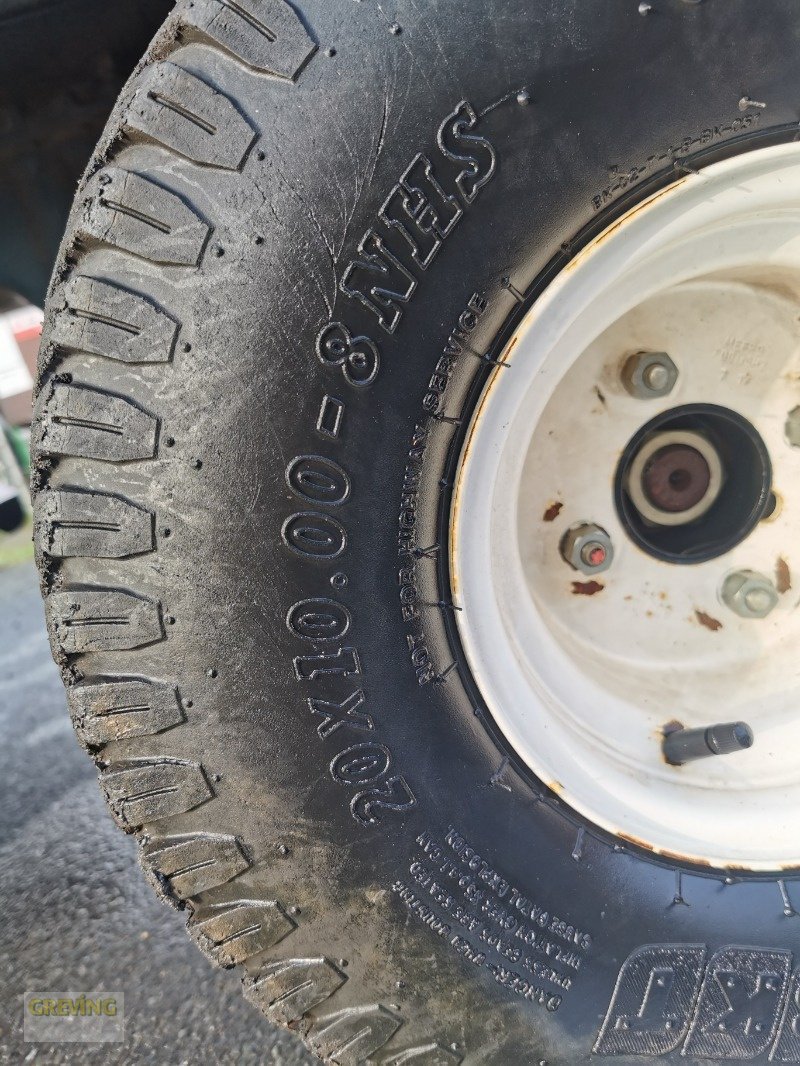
[[76, 915]]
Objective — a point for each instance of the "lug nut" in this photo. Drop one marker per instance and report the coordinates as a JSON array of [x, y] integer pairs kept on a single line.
[[748, 594], [656, 377], [587, 547], [688, 745], [648, 375]]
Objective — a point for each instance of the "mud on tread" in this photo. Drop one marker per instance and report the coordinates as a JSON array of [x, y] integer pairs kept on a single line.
[[183, 867], [232, 933], [116, 709]]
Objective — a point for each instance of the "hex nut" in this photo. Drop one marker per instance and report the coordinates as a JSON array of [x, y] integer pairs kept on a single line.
[[748, 594], [792, 427], [648, 375], [581, 542]]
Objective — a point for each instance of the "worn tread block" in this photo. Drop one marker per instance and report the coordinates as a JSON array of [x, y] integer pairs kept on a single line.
[[187, 115], [149, 790], [195, 863], [108, 320], [137, 215], [232, 933], [287, 990], [425, 1055], [351, 1036], [267, 35], [93, 525], [100, 619], [94, 424], [122, 708]]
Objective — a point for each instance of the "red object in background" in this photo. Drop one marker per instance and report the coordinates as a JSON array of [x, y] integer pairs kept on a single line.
[[20, 333]]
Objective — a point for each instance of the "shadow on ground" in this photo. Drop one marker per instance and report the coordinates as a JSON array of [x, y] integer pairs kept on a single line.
[[77, 914]]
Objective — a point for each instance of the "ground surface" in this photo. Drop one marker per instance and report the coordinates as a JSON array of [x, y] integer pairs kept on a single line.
[[77, 915]]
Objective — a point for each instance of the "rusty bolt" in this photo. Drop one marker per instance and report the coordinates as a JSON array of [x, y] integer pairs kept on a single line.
[[748, 594], [648, 375], [792, 427], [588, 548]]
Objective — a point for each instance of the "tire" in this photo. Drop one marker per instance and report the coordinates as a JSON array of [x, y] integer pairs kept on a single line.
[[243, 459]]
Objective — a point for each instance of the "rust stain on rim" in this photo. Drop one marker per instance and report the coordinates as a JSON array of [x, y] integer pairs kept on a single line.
[[674, 856], [631, 839], [586, 588], [783, 575], [710, 623], [615, 227]]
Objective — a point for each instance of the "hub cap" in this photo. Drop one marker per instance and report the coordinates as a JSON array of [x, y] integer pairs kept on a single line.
[[649, 423]]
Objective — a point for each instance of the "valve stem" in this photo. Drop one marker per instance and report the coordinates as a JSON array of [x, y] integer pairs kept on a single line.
[[688, 745]]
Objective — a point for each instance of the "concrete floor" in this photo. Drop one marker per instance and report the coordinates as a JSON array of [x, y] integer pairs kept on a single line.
[[75, 911]]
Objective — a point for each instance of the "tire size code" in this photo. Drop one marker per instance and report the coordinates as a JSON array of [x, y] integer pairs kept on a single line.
[[416, 219], [322, 625]]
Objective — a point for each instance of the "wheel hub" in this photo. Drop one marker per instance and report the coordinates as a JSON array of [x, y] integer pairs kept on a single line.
[[693, 482], [677, 478]]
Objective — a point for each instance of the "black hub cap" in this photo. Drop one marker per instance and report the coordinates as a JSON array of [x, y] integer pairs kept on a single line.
[[677, 476]]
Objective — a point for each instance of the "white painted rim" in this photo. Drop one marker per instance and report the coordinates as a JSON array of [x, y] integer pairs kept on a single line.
[[582, 686]]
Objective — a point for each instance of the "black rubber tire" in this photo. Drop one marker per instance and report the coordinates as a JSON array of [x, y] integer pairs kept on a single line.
[[239, 504]]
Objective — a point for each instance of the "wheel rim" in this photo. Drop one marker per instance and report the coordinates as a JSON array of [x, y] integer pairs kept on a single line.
[[585, 669]]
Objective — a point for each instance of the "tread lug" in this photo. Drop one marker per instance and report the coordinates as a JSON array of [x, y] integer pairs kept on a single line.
[[352, 1036], [84, 524], [232, 933], [286, 990], [149, 790], [94, 424], [137, 215], [190, 117], [84, 620], [267, 35], [108, 320], [124, 707], [195, 863]]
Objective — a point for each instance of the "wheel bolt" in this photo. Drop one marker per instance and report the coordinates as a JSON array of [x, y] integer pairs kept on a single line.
[[656, 377], [587, 547], [748, 594], [688, 745], [593, 554], [648, 375]]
